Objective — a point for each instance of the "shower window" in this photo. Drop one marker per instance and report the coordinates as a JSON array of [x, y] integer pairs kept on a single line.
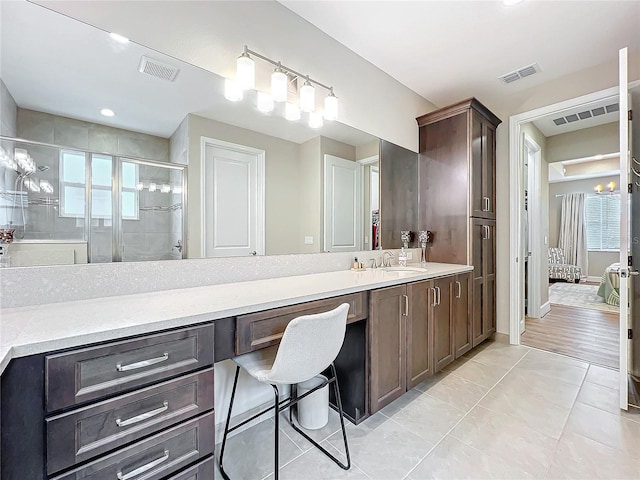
[[72, 183]]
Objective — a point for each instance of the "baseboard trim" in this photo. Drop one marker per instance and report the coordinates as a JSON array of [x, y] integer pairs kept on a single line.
[[544, 309], [594, 279]]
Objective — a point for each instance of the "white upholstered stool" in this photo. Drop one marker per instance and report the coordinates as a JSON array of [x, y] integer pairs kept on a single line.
[[309, 346]]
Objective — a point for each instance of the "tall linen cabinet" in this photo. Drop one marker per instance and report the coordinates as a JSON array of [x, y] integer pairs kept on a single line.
[[457, 168]]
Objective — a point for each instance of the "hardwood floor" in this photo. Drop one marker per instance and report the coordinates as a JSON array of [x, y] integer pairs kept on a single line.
[[590, 335]]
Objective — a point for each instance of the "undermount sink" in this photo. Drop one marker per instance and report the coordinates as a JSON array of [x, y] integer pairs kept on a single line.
[[398, 269]]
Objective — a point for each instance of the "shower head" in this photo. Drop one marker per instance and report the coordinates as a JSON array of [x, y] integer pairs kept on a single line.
[[44, 168]]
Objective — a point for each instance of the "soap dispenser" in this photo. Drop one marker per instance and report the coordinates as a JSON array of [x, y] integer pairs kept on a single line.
[[402, 256]]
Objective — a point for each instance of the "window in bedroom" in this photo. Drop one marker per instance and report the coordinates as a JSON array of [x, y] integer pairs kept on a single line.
[[602, 216]]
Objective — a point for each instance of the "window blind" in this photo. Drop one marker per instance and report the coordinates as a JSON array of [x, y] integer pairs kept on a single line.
[[602, 217]]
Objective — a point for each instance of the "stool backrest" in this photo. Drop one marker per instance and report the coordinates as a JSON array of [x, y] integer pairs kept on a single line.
[[309, 344]]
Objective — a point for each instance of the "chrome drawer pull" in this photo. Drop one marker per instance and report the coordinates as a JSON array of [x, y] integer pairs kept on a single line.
[[459, 289], [144, 468], [435, 297], [142, 416], [142, 364]]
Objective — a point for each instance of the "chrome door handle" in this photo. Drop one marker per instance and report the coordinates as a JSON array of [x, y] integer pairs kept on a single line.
[[438, 289], [485, 202], [142, 364], [459, 289], [487, 233], [253, 254], [435, 297], [635, 273], [142, 416], [144, 468], [406, 305]]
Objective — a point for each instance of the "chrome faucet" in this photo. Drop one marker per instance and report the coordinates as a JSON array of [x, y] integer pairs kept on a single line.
[[373, 263], [386, 258]]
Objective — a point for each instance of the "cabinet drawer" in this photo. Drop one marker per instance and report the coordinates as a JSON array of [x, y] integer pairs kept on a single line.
[[82, 434], [95, 372], [201, 471], [156, 457], [263, 329]]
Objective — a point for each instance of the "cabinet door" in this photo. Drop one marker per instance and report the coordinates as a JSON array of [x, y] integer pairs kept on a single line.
[[489, 169], [478, 233], [489, 278], [387, 342], [476, 183], [419, 327], [462, 314], [443, 340]]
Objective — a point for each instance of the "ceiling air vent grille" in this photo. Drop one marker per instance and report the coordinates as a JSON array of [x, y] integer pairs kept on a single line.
[[520, 73], [156, 68], [574, 117]]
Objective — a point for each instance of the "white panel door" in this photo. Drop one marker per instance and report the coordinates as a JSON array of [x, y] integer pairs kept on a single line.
[[342, 205], [233, 200], [625, 230]]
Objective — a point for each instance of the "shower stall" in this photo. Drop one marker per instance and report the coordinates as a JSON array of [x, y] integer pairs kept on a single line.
[[72, 206]]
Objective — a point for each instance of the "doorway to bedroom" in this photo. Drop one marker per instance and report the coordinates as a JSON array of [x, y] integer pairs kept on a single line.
[[572, 208]]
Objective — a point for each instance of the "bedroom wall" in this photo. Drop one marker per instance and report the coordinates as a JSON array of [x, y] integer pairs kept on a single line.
[[598, 261]]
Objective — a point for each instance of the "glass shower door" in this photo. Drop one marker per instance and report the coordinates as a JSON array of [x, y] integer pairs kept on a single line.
[[151, 209]]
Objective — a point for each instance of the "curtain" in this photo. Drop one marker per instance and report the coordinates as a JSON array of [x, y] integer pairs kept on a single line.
[[573, 231]]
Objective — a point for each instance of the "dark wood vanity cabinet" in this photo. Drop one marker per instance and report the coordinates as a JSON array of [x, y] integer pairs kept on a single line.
[[458, 199], [462, 312]]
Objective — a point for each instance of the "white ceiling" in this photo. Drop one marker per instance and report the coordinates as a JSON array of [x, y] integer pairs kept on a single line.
[[449, 50], [65, 67]]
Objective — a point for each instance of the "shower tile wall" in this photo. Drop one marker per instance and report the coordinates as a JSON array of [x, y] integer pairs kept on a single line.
[[8, 112], [68, 132]]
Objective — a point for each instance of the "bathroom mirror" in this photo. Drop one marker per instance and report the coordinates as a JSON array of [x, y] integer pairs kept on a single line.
[[145, 183]]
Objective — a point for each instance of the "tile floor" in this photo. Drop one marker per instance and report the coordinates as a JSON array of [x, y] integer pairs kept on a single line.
[[501, 411]]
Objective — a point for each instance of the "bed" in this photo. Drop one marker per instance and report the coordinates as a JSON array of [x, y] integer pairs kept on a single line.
[[609, 288]]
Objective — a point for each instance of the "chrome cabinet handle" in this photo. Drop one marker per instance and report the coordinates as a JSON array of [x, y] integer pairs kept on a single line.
[[406, 305], [485, 204], [142, 416], [459, 294], [435, 297], [438, 290], [143, 468], [142, 364], [485, 232]]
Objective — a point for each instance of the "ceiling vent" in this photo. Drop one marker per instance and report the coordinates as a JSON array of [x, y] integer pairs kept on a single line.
[[156, 68], [574, 117], [520, 73]]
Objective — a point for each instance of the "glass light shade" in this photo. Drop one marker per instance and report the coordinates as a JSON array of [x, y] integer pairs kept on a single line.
[[139, 187], [46, 186], [315, 120], [265, 102], [246, 72], [232, 91], [292, 112], [612, 186], [279, 88], [598, 188], [165, 188], [152, 187], [331, 107], [307, 98]]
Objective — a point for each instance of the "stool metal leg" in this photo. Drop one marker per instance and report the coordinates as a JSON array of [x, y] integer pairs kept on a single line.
[[346, 466], [226, 426], [276, 411]]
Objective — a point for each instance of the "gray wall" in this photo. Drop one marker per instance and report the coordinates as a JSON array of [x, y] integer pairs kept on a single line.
[[8, 112], [598, 261]]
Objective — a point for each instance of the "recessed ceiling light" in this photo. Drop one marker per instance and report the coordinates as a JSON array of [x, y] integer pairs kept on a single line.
[[511, 3], [107, 112], [119, 38]]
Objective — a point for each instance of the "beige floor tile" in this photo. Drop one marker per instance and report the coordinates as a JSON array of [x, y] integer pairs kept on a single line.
[[479, 373], [498, 354], [604, 427], [551, 389], [603, 376], [383, 449], [554, 366], [315, 465], [428, 417], [400, 403], [490, 432], [249, 454], [579, 457], [332, 426], [457, 391], [539, 414], [452, 459]]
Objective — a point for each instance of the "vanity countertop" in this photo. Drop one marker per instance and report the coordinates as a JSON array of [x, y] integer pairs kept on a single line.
[[41, 328]]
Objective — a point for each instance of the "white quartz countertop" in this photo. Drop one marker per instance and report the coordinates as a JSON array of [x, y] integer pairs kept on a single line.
[[42, 328]]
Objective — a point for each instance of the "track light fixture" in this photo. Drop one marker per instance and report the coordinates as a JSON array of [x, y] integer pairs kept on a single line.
[[245, 80]]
